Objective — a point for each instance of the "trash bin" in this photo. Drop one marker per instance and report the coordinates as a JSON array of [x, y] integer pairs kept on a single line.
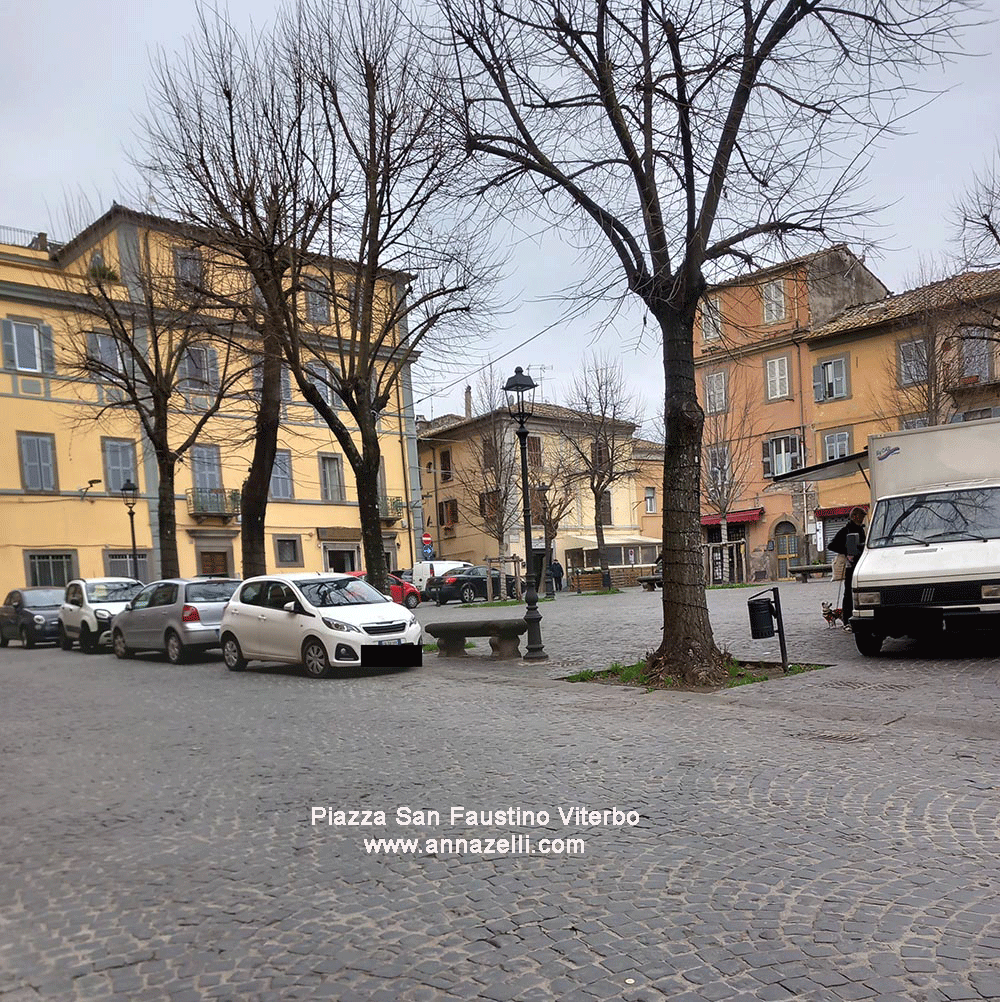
[[761, 618]]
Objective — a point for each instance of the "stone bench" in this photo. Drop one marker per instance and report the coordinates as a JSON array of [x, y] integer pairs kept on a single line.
[[503, 634], [805, 571], [650, 582]]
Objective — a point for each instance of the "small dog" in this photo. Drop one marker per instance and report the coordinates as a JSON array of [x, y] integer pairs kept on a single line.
[[831, 615]]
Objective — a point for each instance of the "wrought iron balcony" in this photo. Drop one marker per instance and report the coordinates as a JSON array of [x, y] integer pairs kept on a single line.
[[213, 502], [390, 509]]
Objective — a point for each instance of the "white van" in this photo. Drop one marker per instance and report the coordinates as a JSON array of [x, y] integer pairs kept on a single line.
[[424, 569]]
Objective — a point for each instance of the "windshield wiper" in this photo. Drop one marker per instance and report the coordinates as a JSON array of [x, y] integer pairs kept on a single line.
[[959, 532], [887, 540]]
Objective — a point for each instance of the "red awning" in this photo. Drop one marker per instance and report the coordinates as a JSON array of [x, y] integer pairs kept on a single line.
[[750, 515], [844, 509]]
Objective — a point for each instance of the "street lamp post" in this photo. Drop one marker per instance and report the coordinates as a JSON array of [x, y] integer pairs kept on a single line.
[[521, 410], [130, 494]]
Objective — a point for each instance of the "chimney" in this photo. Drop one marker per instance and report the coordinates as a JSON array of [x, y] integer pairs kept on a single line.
[[468, 401]]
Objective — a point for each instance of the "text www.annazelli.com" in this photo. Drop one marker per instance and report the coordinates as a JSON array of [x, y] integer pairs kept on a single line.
[[513, 845]]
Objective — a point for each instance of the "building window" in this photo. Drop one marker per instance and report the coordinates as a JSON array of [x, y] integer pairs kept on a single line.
[[650, 500], [600, 455], [830, 380], [27, 347], [489, 505], [206, 469], [782, 454], [445, 465], [715, 393], [118, 564], [318, 301], [604, 508], [836, 445], [490, 454], [774, 301], [50, 569], [448, 513], [912, 359], [38, 461], [777, 378], [331, 478], [914, 421], [718, 467], [976, 356], [189, 273], [281, 476], [711, 318], [288, 551], [108, 353], [534, 452], [119, 463], [194, 371]]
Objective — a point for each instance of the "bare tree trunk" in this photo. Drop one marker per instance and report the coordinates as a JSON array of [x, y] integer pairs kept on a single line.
[[687, 631], [366, 474], [257, 486], [167, 515], [602, 554]]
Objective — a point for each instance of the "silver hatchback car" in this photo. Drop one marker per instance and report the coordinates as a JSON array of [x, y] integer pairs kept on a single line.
[[179, 616]]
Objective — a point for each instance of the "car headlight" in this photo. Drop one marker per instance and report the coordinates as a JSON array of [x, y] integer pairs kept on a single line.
[[336, 624], [991, 591], [39, 620], [868, 598], [102, 614]]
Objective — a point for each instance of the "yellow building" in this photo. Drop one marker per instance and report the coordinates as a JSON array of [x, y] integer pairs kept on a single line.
[[464, 496], [65, 456], [797, 365]]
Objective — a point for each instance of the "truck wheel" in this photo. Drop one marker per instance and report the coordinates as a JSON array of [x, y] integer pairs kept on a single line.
[[869, 643]]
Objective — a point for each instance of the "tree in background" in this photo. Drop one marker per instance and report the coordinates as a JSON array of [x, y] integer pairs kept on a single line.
[[677, 138], [599, 440], [160, 354]]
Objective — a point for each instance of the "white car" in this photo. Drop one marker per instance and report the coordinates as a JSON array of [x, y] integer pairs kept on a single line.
[[88, 607], [323, 621]]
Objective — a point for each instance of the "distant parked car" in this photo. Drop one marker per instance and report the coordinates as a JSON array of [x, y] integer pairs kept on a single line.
[[177, 615], [401, 591], [321, 620], [468, 584], [405, 575], [88, 607], [31, 615]]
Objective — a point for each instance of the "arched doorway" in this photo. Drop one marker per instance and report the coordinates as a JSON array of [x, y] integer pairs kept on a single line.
[[786, 547]]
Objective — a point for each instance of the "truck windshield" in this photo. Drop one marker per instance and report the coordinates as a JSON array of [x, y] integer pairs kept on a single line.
[[939, 517]]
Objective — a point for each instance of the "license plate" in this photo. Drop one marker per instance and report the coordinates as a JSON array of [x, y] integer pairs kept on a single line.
[[384, 642]]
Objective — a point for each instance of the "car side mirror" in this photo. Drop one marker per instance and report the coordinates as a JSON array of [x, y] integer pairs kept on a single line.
[[291, 607], [128, 607]]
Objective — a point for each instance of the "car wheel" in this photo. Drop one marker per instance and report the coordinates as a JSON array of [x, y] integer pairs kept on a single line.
[[317, 664], [175, 648], [868, 643], [27, 640], [411, 601], [64, 641], [468, 594], [118, 645], [232, 654], [88, 642]]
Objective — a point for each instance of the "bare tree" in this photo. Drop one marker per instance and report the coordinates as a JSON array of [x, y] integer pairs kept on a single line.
[[977, 217], [600, 440], [730, 446], [158, 355], [681, 136]]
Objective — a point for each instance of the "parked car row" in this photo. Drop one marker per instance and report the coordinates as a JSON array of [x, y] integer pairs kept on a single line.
[[322, 620], [466, 584]]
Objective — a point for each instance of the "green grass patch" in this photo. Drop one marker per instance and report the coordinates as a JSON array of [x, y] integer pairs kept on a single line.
[[604, 591], [739, 673]]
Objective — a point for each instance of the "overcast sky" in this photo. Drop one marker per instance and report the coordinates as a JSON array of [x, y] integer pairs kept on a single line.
[[73, 78]]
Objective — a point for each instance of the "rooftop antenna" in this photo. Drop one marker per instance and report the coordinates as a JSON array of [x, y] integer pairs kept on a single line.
[[542, 369]]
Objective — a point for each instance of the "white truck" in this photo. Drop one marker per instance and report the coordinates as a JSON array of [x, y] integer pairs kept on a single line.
[[931, 561]]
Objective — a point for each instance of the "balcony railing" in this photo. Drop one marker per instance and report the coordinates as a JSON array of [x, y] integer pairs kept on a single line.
[[391, 509], [216, 502]]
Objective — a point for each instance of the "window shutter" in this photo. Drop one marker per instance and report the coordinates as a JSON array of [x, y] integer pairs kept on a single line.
[[796, 452], [286, 385], [183, 372], [213, 368], [48, 350], [819, 385], [766, 458], [9, 356]]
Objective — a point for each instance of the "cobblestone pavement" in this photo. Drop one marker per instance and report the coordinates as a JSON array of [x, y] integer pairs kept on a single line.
[[831, 836]]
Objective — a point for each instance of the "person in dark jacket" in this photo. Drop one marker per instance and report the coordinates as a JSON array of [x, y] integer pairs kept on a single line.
[[842, 544], [557, 574]]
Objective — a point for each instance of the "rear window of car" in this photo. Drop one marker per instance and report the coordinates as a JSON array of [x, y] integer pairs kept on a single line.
[[210, 591]]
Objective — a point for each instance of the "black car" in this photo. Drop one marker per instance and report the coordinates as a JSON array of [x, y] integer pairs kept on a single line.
[[31, 615], [468, 584]]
